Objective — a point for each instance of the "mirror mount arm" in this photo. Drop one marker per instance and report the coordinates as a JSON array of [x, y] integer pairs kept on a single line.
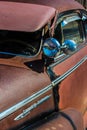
[[47, 60]]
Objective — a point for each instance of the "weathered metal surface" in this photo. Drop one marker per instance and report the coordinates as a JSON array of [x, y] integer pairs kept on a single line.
[[58, 122], [18, 88], [60, 5], [83, 2], [24, 17]]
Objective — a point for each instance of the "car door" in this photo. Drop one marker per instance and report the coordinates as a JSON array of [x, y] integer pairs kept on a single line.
[[71, 67]]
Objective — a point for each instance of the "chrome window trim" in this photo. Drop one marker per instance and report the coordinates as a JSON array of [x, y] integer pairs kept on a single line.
[[77, 14], [63, 16], [60, 58]]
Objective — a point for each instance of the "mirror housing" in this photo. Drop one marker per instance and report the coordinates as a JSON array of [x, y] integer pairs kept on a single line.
[[69, 46], [51, 47]]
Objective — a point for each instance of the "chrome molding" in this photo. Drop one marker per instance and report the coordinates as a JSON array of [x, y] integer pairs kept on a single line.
[[60, 58], [24, 102], [42, 91], [29, 109], [71, 70]]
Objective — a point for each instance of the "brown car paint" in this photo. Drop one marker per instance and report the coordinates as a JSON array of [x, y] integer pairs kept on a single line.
[[18, 81]]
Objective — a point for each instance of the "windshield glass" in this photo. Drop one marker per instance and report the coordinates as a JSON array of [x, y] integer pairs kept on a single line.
[[20, 43]]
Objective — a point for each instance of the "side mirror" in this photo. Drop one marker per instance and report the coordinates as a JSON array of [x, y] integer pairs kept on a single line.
[[69, 46], [51, 47]]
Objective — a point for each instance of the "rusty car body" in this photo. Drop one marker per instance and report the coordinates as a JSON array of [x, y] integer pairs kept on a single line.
[[43, 61]]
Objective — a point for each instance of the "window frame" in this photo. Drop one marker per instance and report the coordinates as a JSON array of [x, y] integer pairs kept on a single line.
[[70, 14]]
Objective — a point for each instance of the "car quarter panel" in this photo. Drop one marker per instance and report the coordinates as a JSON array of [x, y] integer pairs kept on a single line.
[[18, 87]]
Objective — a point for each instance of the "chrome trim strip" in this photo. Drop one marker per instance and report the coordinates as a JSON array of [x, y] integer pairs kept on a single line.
[[24, 102], [60, 58], [29, 109], [42, 91], [67, 73]]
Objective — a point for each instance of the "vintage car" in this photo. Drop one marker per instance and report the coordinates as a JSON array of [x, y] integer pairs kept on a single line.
[[43, 61]]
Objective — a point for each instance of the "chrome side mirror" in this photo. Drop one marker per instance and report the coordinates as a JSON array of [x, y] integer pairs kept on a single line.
[[69, 46], [51, 47]]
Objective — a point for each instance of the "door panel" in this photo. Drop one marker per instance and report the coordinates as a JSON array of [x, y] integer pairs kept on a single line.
[[73, 89], [72, 68]]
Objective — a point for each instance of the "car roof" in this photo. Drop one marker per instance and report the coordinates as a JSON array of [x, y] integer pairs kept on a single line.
[[24, 16], [31, 15], [60, 5]]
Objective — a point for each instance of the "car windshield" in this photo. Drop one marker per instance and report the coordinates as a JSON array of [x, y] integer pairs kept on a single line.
[[20, 43]]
